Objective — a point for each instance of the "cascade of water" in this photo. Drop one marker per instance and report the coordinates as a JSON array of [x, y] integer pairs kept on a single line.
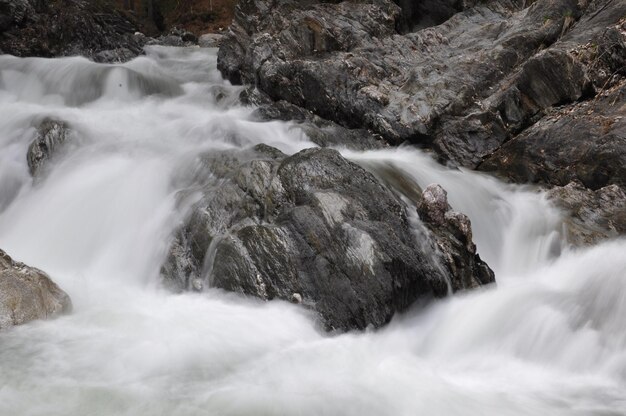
[[550, 339], [515, 228]]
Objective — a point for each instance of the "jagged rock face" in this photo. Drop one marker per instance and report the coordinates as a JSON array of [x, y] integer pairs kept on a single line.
[[69, 27], [452, 232], [585, 142], [592, 215], [312, 228], [320, 131], [463, 87], [51, 135], [27, 293]]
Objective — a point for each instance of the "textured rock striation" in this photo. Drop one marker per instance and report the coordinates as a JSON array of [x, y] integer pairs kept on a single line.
[[27, 294]]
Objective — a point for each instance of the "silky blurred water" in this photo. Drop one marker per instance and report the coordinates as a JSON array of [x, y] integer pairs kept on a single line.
[[550, 339]]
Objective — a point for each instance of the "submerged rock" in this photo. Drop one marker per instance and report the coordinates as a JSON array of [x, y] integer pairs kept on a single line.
[[51, 134], [27, 293], [312, 228]]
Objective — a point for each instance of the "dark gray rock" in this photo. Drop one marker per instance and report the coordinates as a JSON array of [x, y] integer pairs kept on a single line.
[[65, 28], [210, 40], [463, 87], [598, 41], [426, 13], [14, 13], [51, 135], [27, 293], [551, 77], [176, 37], [585, 142], [591, 216], [312, 228], [452, 232], [112, 56], [320, 131]]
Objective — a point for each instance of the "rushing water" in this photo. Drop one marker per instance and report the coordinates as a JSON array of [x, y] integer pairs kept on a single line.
[[549, 340]]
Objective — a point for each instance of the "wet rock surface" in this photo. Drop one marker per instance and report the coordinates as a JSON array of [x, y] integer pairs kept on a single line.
[[530, 90], [51, 135], [175, 37], [64, 28], [463, 87], [452, 232], [593, 216], [27, 294], [312, 228], [320, 131], [585, 142], [210, 40]]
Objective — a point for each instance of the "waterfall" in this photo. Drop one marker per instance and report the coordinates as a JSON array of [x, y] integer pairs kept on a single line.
[[548, 339]]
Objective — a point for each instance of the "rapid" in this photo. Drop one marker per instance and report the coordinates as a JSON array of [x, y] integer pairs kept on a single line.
[[548, 339]]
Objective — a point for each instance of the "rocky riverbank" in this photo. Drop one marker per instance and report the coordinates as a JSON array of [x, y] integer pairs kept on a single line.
[[530, 90]]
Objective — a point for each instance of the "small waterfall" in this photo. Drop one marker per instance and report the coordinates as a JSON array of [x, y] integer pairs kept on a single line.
[[550, 339], [515, 229]]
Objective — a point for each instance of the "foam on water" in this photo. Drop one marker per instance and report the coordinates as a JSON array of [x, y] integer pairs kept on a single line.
[[550, 339]]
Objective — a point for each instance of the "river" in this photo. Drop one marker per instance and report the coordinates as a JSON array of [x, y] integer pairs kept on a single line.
[[548, 339]]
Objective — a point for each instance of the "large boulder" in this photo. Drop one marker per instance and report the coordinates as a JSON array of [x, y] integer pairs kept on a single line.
[[312, 228], [27, 293], [463, 87]]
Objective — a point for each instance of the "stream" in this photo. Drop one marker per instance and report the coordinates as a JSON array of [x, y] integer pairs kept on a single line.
[[548, 339]]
